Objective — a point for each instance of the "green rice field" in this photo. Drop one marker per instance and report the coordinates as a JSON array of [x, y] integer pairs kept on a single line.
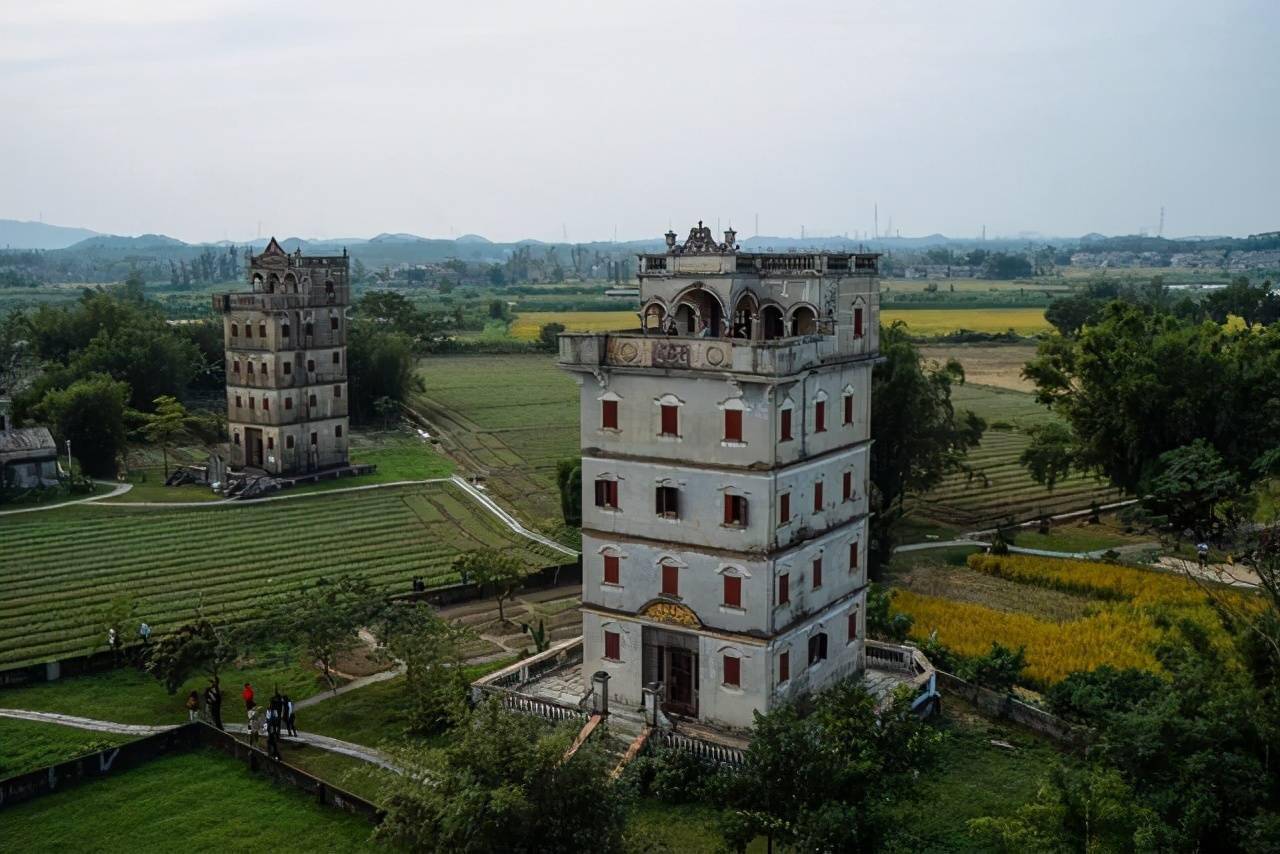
[[61, 567]]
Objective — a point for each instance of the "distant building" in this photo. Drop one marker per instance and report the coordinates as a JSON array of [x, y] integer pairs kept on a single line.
[[286, 345], [725, 449], [28, 455]]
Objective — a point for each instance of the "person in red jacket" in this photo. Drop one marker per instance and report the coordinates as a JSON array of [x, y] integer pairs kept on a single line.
[[248, 696]]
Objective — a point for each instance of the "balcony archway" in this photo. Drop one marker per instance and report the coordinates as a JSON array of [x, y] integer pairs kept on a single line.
[[696, 308], [746, 315], [804, 321], [771, 320]]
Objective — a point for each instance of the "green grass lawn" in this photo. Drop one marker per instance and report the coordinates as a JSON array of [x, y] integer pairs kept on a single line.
[[197, 801], [972, 778], [657, 828], [28, 745], [131, 696], [1073, 538]]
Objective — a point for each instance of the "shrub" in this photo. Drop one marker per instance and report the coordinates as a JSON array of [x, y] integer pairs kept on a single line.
[[999, 669], [882, 621], [1085, 697]]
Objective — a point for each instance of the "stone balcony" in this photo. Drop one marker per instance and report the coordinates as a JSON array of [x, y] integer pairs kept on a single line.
[[779, 358], [260, 301]]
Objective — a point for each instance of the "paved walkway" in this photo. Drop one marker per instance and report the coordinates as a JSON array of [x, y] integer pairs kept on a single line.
[[116, 489], [324, 742], [509, 520]]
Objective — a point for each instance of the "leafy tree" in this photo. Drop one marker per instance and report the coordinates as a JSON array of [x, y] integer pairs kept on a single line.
[[1049, 456], [90, 413], [820, 778], [1191, 483], [166, 424], [388, 408], [1255, 304], [324, 620], [1072, 313], [118, 619], [497, 309], [918, 435], [549, 335], [434, 677], [569, 479], [379, 364], [499, 571], [1003, 266], [998, 669], [881, 622], [1084, 696], [1076, 809], [201, 646], [1138, 383], [501, 784]]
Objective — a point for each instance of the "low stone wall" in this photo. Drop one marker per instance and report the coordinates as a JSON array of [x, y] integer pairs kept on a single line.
[[281, 772], [75, 665], [1009, 708], [104, 763], [564, 574], [180, 739]]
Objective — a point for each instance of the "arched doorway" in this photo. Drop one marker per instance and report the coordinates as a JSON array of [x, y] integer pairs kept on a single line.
[[771, 319], [744, 317], [698, 308], [804, 321], [653, 317]]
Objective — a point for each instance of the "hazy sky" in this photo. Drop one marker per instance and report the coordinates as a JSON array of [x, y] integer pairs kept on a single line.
[[327, 119]]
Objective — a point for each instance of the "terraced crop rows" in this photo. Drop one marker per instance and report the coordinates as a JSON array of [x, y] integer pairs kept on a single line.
[[61, 568], [1008, 490], [512, 418]]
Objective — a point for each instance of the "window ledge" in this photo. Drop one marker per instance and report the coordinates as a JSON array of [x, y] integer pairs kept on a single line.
[[732, 609], [669, 437], [615, 431], [616, 585], [732, 689], [732, 443]]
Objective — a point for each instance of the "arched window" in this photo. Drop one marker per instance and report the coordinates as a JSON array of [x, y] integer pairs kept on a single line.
[[804, 321], [774, 327]]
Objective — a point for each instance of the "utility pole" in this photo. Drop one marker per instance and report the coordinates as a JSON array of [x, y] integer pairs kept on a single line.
[[757, 225], [1160, 231], [875, 235], [68, 456]]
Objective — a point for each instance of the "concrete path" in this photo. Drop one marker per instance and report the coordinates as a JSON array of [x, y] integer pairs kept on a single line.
[[353, 685], [324, 742], [116, 489], [509, 520], [285, 495]]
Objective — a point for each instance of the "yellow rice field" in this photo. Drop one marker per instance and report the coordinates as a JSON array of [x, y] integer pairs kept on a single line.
[[1121, 630], [527, 324], [940, 321], [923, 321]]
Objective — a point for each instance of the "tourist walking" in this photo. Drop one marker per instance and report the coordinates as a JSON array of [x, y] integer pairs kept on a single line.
[[213, 704], [193, 706], [144, 632], [1202, 554], [247, 694], [288, 716], [254, 727]]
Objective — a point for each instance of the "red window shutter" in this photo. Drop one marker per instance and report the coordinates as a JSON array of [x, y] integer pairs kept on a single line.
[[609, 414], [610, 569], [728, 509], [784, 589], [784, 508], [847, 487], [786, 425], [612, 645], [820, 416], [733, 591], [733, 425], [613, 493], [817, 572], [848, 409], [853, 555], [784, 667], [235, 366], [266, 404], [732, 670], [857, 322], [670, 580], [288, 403], [853, 626], [670, 421], [817, 497]]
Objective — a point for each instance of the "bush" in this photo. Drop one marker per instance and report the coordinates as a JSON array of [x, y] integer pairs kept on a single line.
[[675, 777], [1085, 697], [881, 621], [549, 335], [1000, 669]]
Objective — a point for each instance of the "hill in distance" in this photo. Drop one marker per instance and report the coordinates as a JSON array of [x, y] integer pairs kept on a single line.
[[18, 234]]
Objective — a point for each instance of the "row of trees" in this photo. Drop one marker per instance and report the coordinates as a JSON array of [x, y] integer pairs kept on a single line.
[[1180, 411]]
